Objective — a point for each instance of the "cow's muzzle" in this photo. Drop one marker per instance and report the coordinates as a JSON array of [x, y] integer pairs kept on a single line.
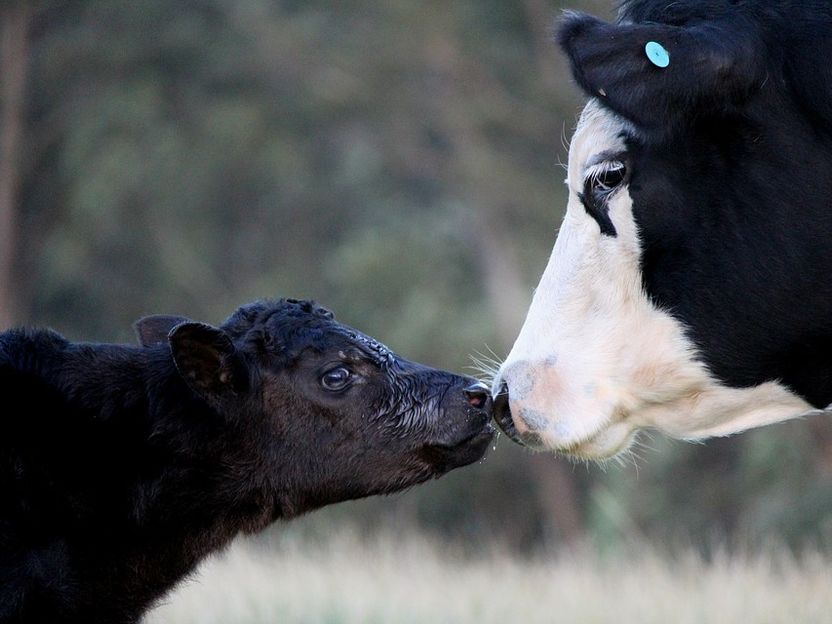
[[502, 414]]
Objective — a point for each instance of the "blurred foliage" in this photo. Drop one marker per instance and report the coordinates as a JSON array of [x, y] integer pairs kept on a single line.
[[380, 157]]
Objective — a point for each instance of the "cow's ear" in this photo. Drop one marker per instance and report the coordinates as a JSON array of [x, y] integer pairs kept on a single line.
[[208, 361], [153, 330], [657, 75]]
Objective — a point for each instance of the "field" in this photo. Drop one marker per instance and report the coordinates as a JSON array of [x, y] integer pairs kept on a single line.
[[408, 579]]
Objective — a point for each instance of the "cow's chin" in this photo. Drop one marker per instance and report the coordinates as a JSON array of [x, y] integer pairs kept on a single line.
[[607, 440], [592, 435]]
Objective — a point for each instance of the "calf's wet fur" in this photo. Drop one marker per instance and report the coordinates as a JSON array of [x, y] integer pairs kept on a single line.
[[121, 467]]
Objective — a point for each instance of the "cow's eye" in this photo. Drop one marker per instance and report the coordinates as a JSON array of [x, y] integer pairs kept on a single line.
[[606, 176], [336, 378]]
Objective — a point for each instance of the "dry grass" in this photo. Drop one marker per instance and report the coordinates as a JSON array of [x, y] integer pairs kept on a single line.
[[408, 580]]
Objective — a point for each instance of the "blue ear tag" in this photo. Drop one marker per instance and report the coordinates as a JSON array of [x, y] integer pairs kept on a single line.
[[657, 54]]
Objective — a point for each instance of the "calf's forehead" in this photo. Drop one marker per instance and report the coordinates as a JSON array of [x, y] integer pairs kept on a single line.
[[296, 332], [298, 325]]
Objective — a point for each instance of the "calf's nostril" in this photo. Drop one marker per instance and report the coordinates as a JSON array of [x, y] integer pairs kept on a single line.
[[477, 395]]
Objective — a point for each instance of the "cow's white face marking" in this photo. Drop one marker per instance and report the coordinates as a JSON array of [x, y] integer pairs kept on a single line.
[[596, 360]]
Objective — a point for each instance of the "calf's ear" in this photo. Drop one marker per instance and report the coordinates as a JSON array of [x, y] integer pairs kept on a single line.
[[153, 330], [208, 361], [695, 69]]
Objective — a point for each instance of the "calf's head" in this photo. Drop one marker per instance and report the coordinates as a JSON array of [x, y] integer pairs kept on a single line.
[[689, 287], [329, 413]]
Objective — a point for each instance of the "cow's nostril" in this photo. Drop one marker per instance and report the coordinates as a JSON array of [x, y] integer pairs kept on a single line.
[[477, 394], [502, 413]]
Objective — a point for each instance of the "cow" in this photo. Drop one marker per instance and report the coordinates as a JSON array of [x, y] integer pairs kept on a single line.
[[690, 285], [122, 467]]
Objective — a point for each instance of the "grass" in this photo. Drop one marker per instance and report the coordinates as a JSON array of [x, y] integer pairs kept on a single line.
[[399, 580]]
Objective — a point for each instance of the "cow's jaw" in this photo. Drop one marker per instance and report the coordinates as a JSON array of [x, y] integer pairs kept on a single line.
[[596, 360]]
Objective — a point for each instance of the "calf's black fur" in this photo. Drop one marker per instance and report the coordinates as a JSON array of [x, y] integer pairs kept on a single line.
[[121, 467]]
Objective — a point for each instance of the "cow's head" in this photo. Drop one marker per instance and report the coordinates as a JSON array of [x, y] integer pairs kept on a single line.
[[690, 286]]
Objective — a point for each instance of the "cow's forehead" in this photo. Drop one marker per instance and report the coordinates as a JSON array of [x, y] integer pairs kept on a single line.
[[599, 131]]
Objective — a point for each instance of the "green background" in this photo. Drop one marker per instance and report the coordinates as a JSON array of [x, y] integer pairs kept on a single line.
[[398, 161]]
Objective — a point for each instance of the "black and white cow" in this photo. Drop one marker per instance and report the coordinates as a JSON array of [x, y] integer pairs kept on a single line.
[[690, 286]]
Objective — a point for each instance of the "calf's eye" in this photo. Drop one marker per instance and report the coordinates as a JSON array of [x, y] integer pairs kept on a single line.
[[336, 378]]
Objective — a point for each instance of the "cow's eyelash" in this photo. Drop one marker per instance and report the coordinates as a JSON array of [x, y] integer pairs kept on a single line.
[[600, 181], [605, 176]]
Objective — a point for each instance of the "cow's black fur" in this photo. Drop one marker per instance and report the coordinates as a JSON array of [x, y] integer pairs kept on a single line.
[[121, 467], [729, 158]]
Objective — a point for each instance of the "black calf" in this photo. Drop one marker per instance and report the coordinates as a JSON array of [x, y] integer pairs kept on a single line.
[[121, 467]]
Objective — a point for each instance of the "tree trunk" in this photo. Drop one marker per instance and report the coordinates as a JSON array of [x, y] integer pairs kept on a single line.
[[14, 25], [541, 18], [556, 492], [821, 428], [506, 291]]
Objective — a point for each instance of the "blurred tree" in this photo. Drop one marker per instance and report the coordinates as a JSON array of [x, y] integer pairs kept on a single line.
[[397, 161], [14, 61]]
